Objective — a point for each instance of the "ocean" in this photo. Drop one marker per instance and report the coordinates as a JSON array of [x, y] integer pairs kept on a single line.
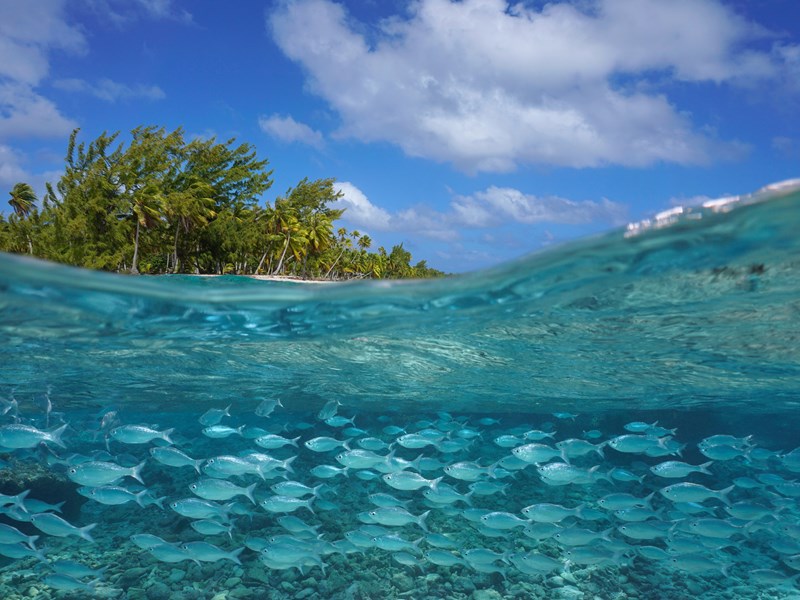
[[611, 418]]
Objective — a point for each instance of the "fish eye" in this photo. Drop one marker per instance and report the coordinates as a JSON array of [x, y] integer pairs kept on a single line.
[[193, 486], [73, 471]]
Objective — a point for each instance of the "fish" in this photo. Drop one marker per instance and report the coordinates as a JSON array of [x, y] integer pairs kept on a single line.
[[360, 459], [620, 474], [409, 481], [536, 454], [697, 563], [443, 558], [446, 494], [214, 415], [98, 473], [574, 447], [297, 526], [285, 504], [372, 443], [325, 444], [395, 543], [267, 407], [396, 516], [211, 527], [551, 513], [170, 553], [12, 535], [272, 442], [19, 436], [339, 421], [329, 410], [145, 541], [645, 530], [576, 536], [621, 501], [221, 489], [564, 473], [387, 500], [469, 471], [54, 525], [295, 489], [677, 470], [139, 434], [721, 452], [222, 431], [716, 528], [113, 495], [693, 492], [76, 569], [196, 508], [534, 563], [328, 471], [502, 520], [172, 457], [205, 552], [67, 583], [636, 443]]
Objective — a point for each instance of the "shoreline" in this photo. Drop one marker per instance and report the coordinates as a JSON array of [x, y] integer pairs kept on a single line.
[[282, 278]]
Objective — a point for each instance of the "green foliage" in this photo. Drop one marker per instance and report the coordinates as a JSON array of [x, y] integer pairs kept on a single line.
[[161, 204]]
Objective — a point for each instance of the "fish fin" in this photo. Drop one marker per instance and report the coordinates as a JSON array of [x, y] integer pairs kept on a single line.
[[421, 521], [704, 467], [294, 441], [165, 435], [84, 532], [309, 507], [599, 449], [434, 485], [249, 492], [55, 436], [32, 542], [196, 464], [346, 444], [647, 499], [240, 429], [606, 533], [227, 411], [19, 500], [139, 498], [136, 472], [287, 464], [159, 502], [234, 555], [723, 494], [468, 497]]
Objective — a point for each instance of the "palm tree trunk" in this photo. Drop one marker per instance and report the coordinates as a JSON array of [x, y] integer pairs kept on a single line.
[[261, 262], [175, 249], [334, 263], [134, 268], [283, 254]]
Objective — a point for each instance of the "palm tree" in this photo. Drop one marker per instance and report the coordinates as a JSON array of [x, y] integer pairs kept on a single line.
[[147, 208], [190, 208], [22, 200]]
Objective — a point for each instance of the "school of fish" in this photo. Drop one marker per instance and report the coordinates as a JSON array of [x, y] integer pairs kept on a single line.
[[446, 492]]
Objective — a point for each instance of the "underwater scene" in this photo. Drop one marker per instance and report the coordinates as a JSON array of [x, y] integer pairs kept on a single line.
[[608, 419]]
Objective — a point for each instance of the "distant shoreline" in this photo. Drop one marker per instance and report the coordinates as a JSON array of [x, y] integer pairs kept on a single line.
[[283, 278]]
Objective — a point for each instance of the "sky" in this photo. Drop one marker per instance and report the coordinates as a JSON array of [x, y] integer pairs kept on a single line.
[[472, 131]]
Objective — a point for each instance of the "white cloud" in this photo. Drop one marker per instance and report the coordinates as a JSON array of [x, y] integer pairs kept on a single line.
[[489, 86], [495, 205], [487, 209], [24, 113], [28, 32], [11, 171], [122, 12], [359, 210], [287, 129], [110, 91]]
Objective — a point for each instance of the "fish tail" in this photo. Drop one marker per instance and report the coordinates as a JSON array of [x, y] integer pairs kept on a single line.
[[723, 494], [31, 541], [421, 521], [159, 502], [19, 500], [308, 505], [136, 472], [434, 485], [84, 532], [468, 497], [139, 498], [234, 555], [249, 492], [294, 441], [346, 444], [165, 435], [227, 411], [704, 467], [599, 449], [316, 490], [55, 436], [196, 464], [287, 464]]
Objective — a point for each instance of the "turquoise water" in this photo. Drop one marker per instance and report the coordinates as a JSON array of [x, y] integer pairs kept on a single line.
[[689, 323]]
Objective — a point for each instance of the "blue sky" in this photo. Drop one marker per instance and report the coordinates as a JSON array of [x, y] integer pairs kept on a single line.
[[473, 132]]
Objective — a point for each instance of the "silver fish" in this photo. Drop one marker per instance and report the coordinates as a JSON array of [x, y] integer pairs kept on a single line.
[[172, 457], [214, 415], [205, 552], [97, 473], [139, 434], [17, 436], [221, 489], [54, 525]]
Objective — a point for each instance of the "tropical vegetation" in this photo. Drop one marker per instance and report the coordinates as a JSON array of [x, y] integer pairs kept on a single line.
[[161, 204]]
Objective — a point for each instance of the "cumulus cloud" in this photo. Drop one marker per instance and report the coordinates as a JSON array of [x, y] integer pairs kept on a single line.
[[486, 209], [358, 209], [24, 113], [489, 85], [110, 91], [495, 205], [287, 129]]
